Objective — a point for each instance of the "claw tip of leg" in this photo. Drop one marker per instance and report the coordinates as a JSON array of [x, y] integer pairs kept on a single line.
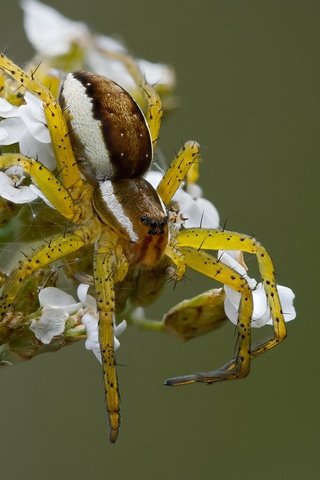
[[114, 435]]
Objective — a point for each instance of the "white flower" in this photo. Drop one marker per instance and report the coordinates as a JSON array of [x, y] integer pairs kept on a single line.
[[27, 126], [155, 73], [49, 32], [52, 34], [10, 187], [57, 307], [198, 211], [261, 312], [90, 321]]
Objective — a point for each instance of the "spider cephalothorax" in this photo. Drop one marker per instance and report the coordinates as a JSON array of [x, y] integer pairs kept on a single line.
[[103, 146], [134, 209]]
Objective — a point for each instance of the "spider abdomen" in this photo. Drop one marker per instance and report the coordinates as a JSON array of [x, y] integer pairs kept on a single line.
[[108, 131]]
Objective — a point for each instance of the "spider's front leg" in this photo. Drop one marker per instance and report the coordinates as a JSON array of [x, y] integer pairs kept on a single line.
[[56, 248], [46, 181], [191, 243]]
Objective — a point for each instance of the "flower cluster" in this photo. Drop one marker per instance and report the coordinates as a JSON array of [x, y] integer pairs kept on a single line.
[[55, 37], [24, 127], [57, 306]]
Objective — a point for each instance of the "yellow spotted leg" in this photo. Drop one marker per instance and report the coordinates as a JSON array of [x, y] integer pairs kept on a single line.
[[104, 287], [56, 248], [187, 156], [57, 126], [205, 239], [223, 240], [208, 265], [154, 106], [53, 190]]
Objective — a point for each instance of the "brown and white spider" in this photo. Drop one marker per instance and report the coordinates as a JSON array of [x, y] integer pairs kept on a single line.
[[103, 146]]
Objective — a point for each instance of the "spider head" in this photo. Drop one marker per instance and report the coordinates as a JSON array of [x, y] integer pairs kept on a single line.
[[134, 209]]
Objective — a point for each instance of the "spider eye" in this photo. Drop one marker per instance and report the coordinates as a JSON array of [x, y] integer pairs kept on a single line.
[[108, 131], [153, 224], [144, 219]]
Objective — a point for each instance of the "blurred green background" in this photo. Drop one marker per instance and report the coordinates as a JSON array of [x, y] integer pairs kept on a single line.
[[248, 85]]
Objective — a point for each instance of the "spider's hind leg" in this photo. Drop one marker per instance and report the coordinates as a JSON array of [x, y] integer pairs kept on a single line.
[[213, 268], [154, 109], [105, 270]]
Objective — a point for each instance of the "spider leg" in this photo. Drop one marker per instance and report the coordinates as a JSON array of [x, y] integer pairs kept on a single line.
[[223, 240], [53, 190], [57, 126], [104, 261], [186, 158], [208, 265], [154, 107], [58, 247]]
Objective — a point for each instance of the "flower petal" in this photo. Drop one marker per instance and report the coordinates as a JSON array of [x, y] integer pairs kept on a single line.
[[7, 110], [231, 310], [49, 32], [88, 300], [3, 135], [232, 259], [209, 215], [82, 292], [32, 115], [12, 129], [51, 323], [92, 341], [261, 312], [120, 328], [54, 298], [196, 215], [110, 68], [157, 73], [21, 194], [30, 147], [286, 298]]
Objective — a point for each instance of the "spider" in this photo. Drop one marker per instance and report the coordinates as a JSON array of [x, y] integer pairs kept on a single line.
[[103, 145]]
